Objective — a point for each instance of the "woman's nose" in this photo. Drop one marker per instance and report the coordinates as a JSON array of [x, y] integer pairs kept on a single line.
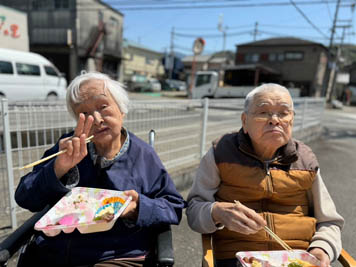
[[98, 119]]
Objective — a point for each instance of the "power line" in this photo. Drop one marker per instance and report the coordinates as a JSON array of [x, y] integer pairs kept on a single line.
[[307, 19], [167, 6], [211, 35], [327, 5], [145, 2], [290, 26]]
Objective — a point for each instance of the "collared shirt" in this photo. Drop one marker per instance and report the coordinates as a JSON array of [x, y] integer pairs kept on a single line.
[[73, 176], [104, 162]]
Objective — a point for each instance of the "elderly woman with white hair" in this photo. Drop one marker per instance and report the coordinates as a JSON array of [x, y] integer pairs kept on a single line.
[[115, 159], [261, 176]]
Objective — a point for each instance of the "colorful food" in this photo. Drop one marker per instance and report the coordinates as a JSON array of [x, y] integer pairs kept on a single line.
[[300, 263], [107, 211]]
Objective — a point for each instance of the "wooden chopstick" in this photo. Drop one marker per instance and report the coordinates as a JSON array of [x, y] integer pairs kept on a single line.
[[272, 234], [276, 237], [51, 156]]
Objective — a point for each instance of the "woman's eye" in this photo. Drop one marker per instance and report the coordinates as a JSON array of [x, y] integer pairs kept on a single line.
[[104, 106]]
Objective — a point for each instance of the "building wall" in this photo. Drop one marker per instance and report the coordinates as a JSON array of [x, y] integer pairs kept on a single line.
[[308, 70], [65, 31], [143, 62], [13, 29]]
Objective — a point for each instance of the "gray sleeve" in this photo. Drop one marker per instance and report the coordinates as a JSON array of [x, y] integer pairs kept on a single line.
[[201, 196], [329, 221]]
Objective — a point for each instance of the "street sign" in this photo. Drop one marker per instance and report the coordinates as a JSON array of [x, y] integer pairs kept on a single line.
[[198, 46]]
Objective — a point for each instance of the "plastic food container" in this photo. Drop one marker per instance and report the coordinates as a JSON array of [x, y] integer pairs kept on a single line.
[[81, 209], [277, 258]]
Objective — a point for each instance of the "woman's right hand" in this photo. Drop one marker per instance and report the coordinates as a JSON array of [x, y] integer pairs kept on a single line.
[[75, 145], [237, 217]]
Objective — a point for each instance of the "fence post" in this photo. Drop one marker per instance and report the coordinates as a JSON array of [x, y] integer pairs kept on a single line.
[[203, 128], [305, 103], [9, 165]]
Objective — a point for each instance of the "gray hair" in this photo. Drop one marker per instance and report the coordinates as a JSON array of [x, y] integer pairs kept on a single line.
[[267, 87], [115, 88]]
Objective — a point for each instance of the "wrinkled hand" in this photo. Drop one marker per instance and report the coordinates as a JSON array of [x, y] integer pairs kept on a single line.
[[75, 145], [131, 211], [237, 217], [322, 256]]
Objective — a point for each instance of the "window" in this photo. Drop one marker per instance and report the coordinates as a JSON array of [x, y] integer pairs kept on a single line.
[[149, 61], [294, 55], [50, 71], [61, 4], [252, 57], [41, 4], [6, 67], [280, 57], [28, 69], [203, 79], [272, 57]]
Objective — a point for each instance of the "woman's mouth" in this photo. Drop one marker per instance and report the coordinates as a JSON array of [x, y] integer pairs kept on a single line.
[[101, 130]]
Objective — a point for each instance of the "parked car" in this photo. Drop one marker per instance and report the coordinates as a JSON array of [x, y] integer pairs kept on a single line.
[[174, 85], [150, 85], [29, 76]]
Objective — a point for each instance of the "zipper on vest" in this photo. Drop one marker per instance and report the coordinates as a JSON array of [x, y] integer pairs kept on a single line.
[[269, 225], [268, 180]]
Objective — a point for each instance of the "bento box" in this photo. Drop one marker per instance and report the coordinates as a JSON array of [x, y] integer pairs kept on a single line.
[[87, 209], [277, 258]]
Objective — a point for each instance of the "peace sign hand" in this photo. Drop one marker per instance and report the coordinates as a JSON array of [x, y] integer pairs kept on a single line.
[[76, 146]]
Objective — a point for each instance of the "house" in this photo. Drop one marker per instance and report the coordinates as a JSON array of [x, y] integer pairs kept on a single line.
[[141, 61], [300, 63], [75, 34], [13, 29]]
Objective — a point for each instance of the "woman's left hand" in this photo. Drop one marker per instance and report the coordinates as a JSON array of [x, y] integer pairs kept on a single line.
[[321, 255], [131, 211]]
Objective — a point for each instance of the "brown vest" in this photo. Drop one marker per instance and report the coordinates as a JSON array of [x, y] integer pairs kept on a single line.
[[276, 190]]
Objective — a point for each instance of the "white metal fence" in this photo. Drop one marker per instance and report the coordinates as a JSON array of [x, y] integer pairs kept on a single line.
[[184, 131]]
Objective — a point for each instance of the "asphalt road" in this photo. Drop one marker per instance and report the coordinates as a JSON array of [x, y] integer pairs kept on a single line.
[[336, 152]]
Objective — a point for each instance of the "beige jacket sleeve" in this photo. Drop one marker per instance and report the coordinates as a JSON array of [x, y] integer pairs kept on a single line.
[[201, 196], [329, 221]]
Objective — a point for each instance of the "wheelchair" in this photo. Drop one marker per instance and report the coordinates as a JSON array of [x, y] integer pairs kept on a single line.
[[19, 240]]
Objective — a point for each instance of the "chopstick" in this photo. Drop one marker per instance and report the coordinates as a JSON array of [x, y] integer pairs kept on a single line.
[[273, 235], [276, 237], [51, 156]]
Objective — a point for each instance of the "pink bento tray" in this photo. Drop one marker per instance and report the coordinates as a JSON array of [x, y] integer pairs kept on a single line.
[[77, 209], [277, 258]]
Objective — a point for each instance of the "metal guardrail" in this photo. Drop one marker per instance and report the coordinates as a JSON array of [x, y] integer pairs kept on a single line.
[[184, 132]]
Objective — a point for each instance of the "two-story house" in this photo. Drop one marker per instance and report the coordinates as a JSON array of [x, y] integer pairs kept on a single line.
[[300, 63], [75, 34], [141, 61]]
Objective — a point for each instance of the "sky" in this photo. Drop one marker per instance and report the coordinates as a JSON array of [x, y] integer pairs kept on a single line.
[[276, 18]]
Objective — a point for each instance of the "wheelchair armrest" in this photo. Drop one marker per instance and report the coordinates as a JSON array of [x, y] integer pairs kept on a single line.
[[15, 240], [165, 255]]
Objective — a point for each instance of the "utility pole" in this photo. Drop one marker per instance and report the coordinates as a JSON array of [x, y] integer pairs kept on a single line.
[[255, 31], [171, 55], [222, 29], [331, 62], [334, 71]]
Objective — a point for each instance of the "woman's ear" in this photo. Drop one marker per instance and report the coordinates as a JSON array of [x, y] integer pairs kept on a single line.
[[243, 120]]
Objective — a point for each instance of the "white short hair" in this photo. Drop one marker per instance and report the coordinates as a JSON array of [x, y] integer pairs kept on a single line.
[[267, 87], [115, 88]]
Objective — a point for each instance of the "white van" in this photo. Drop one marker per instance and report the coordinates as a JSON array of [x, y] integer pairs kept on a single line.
[[26, 76]]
